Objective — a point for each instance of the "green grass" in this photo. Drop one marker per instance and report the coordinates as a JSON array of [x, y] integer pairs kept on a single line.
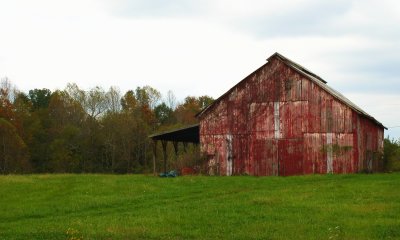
[[145, 207]]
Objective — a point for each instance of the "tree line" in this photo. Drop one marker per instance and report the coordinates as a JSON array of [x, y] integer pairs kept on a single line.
[[391, 154], [96, 130]]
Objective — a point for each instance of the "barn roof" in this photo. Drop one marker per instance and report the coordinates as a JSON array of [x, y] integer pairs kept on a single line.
[[297, 67], [310, 75]]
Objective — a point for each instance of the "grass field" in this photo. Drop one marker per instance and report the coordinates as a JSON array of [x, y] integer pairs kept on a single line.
[[146, 207]]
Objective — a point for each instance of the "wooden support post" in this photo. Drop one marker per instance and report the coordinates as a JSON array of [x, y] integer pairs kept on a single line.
[[154, 156], [185, 146], [164, 146], [176, 148]]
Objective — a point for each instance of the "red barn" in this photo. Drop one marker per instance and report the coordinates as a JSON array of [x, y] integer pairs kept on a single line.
[[283, 119]]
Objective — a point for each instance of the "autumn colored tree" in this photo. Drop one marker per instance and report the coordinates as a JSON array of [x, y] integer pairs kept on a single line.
[[147, 99], [148, 96], [64, 110], [121, 133], [6, 99], [14, 156], [129, 102], [22, 110], [186, 112], [67, 118], [76, 130]]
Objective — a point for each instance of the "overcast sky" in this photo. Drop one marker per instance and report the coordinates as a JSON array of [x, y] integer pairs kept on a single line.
[[205, 46]]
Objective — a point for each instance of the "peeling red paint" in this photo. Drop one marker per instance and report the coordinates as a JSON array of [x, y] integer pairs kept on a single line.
[[279, 122]]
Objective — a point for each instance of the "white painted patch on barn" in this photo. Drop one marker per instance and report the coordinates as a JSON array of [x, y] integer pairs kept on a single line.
[[329, 152], [229, 151], [276, 120]]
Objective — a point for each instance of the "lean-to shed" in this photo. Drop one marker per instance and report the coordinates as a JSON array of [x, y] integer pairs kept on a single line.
[[283, 119]]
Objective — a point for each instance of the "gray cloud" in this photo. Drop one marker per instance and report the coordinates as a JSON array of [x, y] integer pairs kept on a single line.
[[323, 18], [310, 18]]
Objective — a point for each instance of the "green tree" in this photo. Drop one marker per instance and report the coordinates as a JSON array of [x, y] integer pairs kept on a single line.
[[65, 150], [40, 98], [391, 155], [204, 101], [164, 114]]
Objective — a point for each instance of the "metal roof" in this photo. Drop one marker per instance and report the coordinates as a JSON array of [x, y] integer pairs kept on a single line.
[[297, 66], [322, 83], [310, 75]]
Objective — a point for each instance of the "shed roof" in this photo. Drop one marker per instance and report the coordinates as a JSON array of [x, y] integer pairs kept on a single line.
[[185, 134], [310, 75]]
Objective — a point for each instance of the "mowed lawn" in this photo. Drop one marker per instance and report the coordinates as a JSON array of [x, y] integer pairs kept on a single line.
[[355, 206]]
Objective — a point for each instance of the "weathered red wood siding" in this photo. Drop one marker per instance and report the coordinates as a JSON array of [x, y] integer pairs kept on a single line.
[[279, 122]]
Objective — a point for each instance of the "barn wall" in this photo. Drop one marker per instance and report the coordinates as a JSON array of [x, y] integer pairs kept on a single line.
[[370, 145], [278, 122]]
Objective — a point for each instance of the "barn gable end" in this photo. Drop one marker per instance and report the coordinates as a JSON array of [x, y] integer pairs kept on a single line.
[[284, 120]]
